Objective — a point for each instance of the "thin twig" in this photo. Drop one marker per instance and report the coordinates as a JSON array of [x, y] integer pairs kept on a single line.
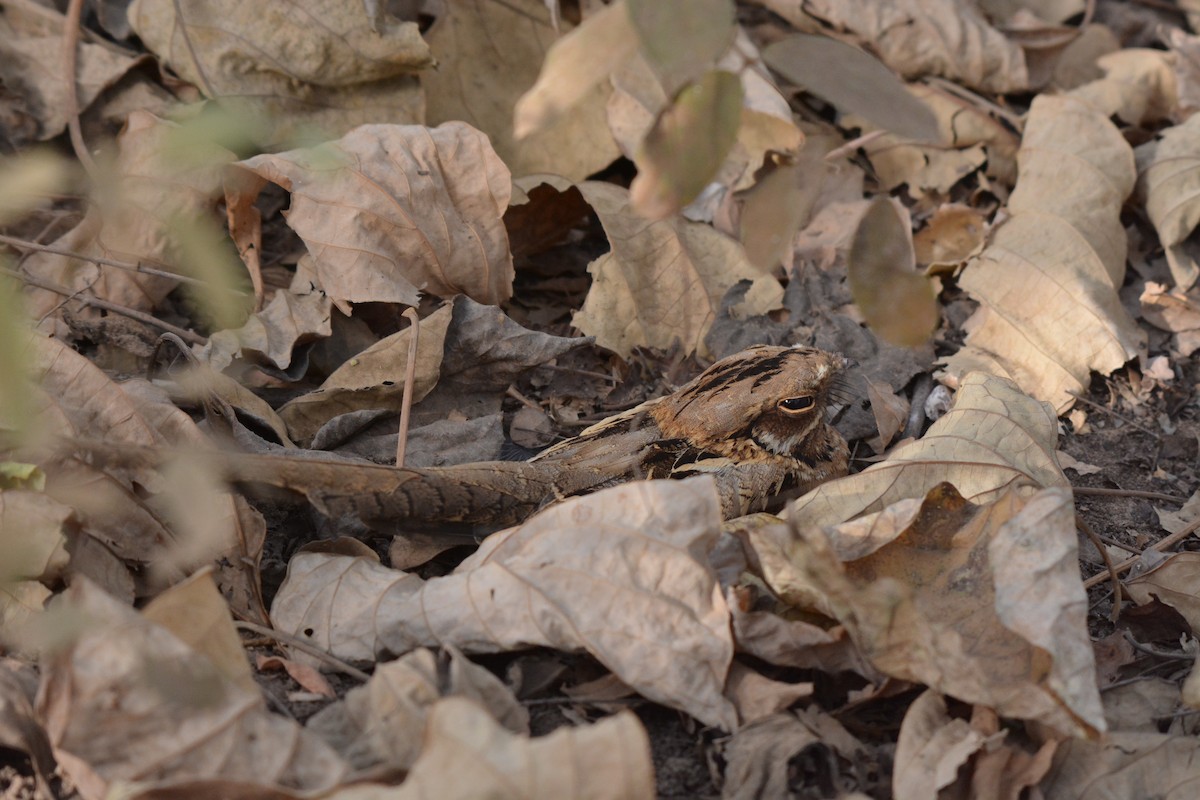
[[96, 302], [1098, 492], [1150, 651], [1158, 547], [187, 41], [1082, 524], [410, 373], [522, 399], [307, 647], [108, 262], [852, 145], [70, 47], [1110, 412]]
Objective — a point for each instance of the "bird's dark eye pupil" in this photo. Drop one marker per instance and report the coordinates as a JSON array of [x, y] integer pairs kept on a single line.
[[796, 403]]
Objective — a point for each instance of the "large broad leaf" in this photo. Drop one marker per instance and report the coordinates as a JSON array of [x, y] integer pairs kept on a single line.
[[1169, 180]]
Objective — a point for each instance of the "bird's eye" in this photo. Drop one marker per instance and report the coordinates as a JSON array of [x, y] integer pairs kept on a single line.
[[796, 405]]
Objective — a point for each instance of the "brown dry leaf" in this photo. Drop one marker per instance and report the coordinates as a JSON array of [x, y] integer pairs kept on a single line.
[[308, 677], [1048, 280], [1176, 582], [390, 211], [688, 143], [1124, 765], [663, 281], [488, 55], [854, 81], [134, 218], [916, 38], [26, 70], [128, 701], [575, 66], [760, 754], [1168, 184], [889, 409], [755, 696], [681, 39], [953, 234], [898, 303], [381, 723], [468, 755], [467, 355], [931, 749], [1138, 86], [312, 69], [982, 603], [1173, 310], [565, 579], [542, 212], [995, 438], [32, 536]]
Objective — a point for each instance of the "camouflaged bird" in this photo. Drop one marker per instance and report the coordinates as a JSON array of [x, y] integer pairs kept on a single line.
[[754, 421]]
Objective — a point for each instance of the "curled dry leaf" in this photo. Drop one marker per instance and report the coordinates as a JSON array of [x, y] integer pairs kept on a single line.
[[381, 724], [569, 579], [478, 82], [135, 220], [1138, 86], [469, 755], [306, 68], [983, 603], [1124, 764], [993, 439], [663, 281], [898, 303], [1048, 280], [953, 234], [922, 37], [1167, 179], [128, 701], [390, 211], [1176, 582], [931, 749]]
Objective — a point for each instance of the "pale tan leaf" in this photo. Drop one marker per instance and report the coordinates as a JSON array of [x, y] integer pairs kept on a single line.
[[478, 80], [993, 439], [681, 154], [889, 409], [390, 211], [560, 580], [755, 696], [1124, 765], [1176, 582], [982, 603], [382, 722], [681, 38], [922, 37], [854, 81], [931, 748], [1169, 182], [1173, 310], [133, 219], [760, 753], [468, 755], [1138, 86], [575, 65], [127, 700], [1047, 281], [32, 539], [898, 303], [662, 281], [1139, 706], [312, 69]]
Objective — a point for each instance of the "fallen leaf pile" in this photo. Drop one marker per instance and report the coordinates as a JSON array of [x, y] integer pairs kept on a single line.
[[315, 238]]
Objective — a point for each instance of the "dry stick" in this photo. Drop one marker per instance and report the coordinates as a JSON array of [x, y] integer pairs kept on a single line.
[[1110, 412], [96, 302], [1098, 492], [852, 145], [522, 399], [307, 647], [1082, 524], [410, 372], [108, 262], [1170, 541], [70, 46]]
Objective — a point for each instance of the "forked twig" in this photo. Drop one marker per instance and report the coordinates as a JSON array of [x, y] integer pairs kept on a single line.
[[410, 373]]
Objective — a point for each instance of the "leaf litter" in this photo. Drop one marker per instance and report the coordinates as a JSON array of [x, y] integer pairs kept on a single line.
[[675, 185]]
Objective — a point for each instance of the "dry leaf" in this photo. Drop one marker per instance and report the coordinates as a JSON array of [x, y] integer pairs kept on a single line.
[[854, 81], [1047, 282], [1173, 310], [889, 409], [1124, 765], [932, 748], [662, 281], [479, 80], [681, 39], [128, 701], [467, 755], [1167, 180], [756, 696], [993, 439], [382, 722], [760, 754], [1138, 86], [952, 235], [312, 69], [1176, 582], [32, 528], [560, 580], [898, 303], [390, 211], [983, 603], [916, 38]]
